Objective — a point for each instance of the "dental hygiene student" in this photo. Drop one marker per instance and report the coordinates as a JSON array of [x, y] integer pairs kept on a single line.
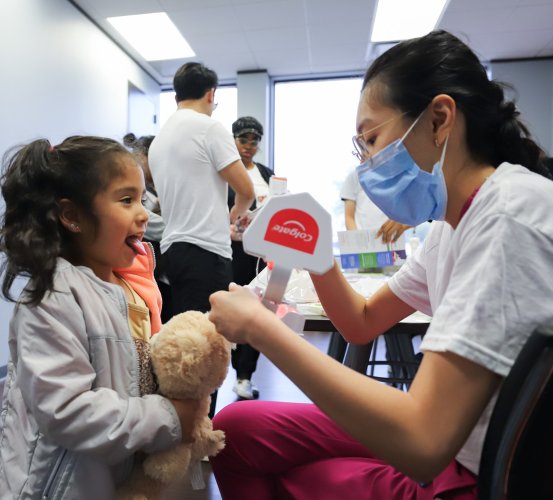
[[439, 141]]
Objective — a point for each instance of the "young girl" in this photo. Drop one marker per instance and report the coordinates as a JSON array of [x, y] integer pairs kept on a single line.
[[437, 141], [75, 407]]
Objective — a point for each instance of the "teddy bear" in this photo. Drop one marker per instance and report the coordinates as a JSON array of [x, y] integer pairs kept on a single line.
[[190, 360]]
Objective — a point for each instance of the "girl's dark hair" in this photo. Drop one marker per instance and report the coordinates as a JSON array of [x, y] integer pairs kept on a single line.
[[413, 72], [35, 177]]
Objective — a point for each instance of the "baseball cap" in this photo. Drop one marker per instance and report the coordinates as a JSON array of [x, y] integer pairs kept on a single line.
[[247, 125]]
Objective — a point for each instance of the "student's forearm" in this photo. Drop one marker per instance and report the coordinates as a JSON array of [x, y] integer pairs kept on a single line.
[[242, 203], [349, 211], [359, 320], [344, 306], [350, 223]]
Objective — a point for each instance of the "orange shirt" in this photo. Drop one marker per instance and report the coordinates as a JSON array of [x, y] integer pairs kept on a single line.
[[140, 275]]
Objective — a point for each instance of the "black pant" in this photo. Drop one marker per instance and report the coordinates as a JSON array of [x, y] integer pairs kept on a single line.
[[244, 361], [244, 269], [194, 274]]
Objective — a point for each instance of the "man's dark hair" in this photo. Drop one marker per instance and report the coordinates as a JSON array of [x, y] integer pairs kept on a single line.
[[192, 80]]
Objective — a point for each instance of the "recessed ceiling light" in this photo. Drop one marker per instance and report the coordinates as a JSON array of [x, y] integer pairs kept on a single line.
[[154, 36], [402, 19]]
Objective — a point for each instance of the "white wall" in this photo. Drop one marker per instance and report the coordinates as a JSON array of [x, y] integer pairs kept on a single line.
[[60, 76], [533, 84]]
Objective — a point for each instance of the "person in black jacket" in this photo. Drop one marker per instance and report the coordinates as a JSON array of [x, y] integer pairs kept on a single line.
[[247, 132]]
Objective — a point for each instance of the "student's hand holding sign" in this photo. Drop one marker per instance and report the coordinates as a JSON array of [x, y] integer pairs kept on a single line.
[[238, 314]]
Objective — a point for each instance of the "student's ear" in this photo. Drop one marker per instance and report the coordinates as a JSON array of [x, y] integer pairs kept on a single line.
[[210, 96], [69, 215], [443, 111]]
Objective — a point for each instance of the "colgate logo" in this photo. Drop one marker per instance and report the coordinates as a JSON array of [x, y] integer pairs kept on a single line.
[[293, 228]]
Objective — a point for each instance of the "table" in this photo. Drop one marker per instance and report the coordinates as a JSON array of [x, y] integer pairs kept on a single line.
[[402, 359]]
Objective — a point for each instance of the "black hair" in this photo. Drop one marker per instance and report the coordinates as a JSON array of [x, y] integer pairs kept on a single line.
[[138, 144], [34, 178], [545, 164], [247, 125], [192, 80], [410, 74]]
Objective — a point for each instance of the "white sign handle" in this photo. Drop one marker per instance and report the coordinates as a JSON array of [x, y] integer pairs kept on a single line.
[[276, 286]]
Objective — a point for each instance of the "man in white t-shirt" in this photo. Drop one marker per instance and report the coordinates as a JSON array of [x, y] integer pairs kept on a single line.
[[193, 160], [362, 213]]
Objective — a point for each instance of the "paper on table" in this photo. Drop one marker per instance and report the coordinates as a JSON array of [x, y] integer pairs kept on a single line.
[[311, 309], [366, 284], [300, 291]]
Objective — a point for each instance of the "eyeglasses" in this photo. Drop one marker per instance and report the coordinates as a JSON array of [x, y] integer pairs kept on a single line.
[[245, 142], [361, 151]]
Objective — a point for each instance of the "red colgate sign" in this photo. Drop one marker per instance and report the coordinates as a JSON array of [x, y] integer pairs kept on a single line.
[[293, 228]]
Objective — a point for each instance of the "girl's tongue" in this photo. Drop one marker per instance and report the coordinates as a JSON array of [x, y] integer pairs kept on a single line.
[[136, 245]]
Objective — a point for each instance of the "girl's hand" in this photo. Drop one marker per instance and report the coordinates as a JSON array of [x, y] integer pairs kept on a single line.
[[187, 410], [236, 313]]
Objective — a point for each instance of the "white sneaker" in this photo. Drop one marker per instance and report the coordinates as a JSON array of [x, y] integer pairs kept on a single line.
[[245, 389]]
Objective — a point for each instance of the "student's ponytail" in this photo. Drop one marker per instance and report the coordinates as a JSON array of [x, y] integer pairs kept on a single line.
[[30, 235], [511, 140]]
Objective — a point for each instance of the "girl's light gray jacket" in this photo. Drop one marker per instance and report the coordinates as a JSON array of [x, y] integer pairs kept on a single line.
[[71, 413]]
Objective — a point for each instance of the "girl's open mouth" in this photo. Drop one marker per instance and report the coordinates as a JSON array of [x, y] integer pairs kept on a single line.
[[136, 245]]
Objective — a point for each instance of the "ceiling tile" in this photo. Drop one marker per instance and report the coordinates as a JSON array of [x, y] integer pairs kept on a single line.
[[230, 43], [333, 14], [270, 14], [540, 17], [308, 36], [354, 33], [206, 21], [180, 5], [111, 8], [289, 38]]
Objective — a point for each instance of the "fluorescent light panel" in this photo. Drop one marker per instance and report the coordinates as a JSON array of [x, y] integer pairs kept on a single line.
[[402, 19], [154, 36]]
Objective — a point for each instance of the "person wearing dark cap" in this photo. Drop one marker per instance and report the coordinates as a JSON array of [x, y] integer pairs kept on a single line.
[[247, 132]]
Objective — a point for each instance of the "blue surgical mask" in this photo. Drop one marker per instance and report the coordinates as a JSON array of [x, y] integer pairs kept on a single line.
[[400, 188]]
